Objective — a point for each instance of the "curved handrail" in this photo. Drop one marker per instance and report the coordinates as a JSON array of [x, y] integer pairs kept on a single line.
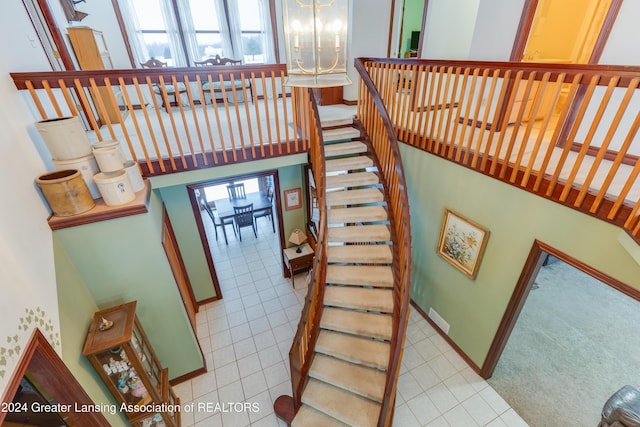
[[377, 124], [308, 328]]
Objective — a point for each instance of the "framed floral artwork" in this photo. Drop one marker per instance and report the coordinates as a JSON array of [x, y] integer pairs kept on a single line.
[[292, 199], [462, 242]]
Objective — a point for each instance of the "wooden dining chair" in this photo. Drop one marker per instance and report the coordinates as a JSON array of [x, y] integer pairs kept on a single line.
[[268, 213], [236, 191], [228, 85], [170, 90], [243, 217], [217, 221]]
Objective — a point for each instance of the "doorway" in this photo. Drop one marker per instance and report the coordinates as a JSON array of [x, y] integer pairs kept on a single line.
[[226, 254], [48, 378], [411, 23], [566, 32], [564, 338]]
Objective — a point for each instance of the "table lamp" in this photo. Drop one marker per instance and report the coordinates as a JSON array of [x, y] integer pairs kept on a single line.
[[297, 238]]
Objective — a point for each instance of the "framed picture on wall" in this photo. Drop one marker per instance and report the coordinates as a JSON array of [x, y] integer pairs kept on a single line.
[[292, 198], [462, 242]]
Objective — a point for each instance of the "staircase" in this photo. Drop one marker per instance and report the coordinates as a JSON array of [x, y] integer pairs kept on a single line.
[[348, 370], [346, 355]]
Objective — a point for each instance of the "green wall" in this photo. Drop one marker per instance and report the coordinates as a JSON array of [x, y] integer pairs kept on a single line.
[[411, 21], [515, 218], [122, 260], [76, 308]]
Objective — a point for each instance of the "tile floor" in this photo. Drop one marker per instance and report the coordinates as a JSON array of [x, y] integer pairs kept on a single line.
[[246, 338]]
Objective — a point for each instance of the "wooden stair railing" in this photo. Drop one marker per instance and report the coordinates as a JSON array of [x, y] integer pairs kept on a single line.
[[303, 351], [193, 133], [308, 327], [565, 132], [373, 118]]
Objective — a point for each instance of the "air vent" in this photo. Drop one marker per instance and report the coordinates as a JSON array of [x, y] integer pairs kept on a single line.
[[438, 320]]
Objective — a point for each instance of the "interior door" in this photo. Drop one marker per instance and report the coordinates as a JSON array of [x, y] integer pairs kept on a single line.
[[179, 271], [562, 32]]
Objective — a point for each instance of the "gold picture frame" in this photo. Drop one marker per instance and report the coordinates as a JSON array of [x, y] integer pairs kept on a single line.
[[462, 242], [292, 199]]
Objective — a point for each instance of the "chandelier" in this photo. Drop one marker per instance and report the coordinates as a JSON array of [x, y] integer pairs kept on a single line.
[[316, 42]]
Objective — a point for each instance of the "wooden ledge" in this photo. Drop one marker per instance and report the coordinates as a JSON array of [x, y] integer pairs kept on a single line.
[[102, 212]]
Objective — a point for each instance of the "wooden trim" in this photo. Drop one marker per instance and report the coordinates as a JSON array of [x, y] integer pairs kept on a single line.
[[58, 38], [391, 24], [195, 207], [446, 337], [605, 31], [524, 28], [274, 29], [55, 381], [123, 33], [188, 376], [171, 235], [201, 230], [422, 29], [284, 408], [241, 156], [605, 207], [627, 159], [102, 212], [523, 286]]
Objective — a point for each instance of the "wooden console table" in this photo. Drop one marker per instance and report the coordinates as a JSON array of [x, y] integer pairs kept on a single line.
[[295, 262]]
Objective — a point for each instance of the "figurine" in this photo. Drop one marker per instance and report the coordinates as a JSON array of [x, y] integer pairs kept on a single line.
[[105, 325]]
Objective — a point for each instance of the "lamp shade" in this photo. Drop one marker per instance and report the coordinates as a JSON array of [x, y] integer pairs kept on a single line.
[[316, 42], [297, 237]]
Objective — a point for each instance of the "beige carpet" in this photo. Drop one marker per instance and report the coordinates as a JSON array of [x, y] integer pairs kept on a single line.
[[575, 343]]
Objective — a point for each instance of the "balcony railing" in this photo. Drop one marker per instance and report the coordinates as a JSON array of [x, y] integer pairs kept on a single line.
[[176, 119], [565, 132]]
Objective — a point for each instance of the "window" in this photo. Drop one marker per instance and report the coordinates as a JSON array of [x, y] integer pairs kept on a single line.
[[182, 32]]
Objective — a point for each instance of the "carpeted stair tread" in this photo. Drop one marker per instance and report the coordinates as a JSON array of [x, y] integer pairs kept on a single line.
[[357, 214], [348, 163], [358, 298], [360, 233], [336, 115], [358, 379], [344, 148], [309, 417], [362, 351], [360, 254], [355, 197], [347, 407], [357, 179], [360, 275], [374, 325], [342, 133]]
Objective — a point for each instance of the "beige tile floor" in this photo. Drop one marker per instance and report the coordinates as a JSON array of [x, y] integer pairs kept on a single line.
[[246, 338]]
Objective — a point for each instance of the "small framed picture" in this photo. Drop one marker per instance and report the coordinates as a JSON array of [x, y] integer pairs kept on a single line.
[[292, 199], [462, 242]]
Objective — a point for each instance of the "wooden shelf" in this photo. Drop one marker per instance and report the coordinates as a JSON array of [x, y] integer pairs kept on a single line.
[[102, 212]]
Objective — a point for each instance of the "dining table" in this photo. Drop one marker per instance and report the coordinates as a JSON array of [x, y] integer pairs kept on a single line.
[[259, 199]]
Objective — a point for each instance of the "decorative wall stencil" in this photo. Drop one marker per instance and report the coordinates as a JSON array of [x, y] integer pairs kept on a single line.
[[10, 348]]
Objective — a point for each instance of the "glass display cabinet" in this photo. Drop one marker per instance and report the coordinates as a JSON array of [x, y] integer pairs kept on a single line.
[[120, 352]]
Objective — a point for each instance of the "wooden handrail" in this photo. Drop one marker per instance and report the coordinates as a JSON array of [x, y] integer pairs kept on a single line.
[[566, 132], [309, 326], [166, 117], [373, 117]]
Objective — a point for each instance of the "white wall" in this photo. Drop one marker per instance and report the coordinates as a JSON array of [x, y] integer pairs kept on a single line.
[[449, 29], [622, 45], [495, 29], [368, 35], [27, 276]]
